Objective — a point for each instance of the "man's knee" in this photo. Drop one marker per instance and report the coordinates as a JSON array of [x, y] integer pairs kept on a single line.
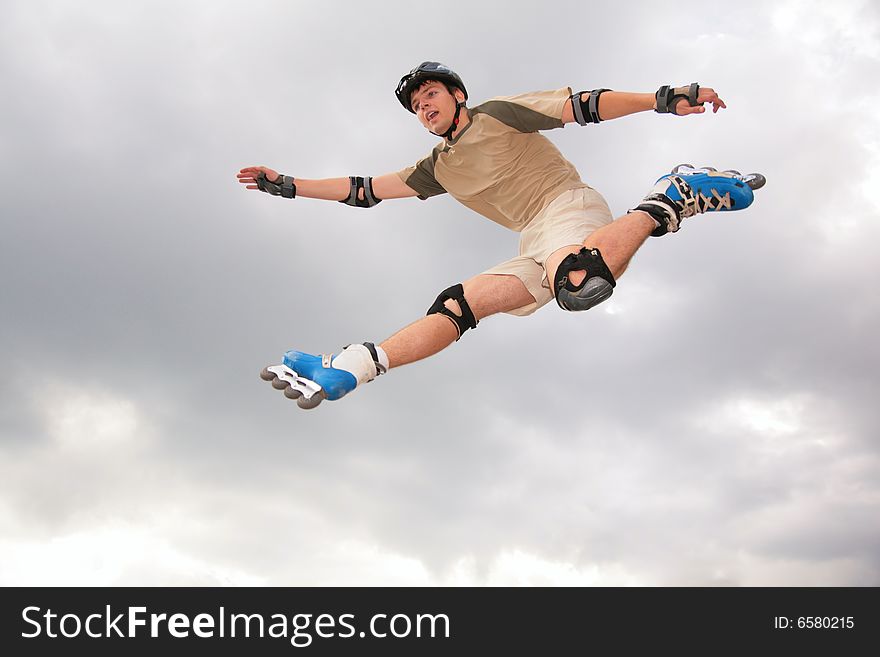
[[452, 304], [597, 286]]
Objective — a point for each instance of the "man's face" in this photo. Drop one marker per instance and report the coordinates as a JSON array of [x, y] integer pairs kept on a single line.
[[434, 106]]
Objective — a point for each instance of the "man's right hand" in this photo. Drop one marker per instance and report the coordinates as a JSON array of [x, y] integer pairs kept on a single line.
[[248, 176]]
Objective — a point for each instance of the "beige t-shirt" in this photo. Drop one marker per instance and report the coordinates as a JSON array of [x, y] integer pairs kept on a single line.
[[499, 165]]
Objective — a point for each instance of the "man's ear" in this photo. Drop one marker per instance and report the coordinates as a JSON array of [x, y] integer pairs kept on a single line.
[[459, 96]]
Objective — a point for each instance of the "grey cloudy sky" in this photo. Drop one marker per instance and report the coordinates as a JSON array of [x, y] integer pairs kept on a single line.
[[715, 422]]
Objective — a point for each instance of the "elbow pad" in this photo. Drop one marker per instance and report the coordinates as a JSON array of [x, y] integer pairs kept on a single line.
[[354, 197], [587, 111]]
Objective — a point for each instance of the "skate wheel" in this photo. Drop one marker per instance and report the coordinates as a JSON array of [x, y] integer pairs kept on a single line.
[[755, 180], [266, 375], [712, 169], [733, 172], [312, 402], [280, 384], [292, 393], [679, 167]]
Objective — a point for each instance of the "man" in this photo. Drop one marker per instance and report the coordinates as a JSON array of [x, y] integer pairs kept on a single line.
[[493, 160]]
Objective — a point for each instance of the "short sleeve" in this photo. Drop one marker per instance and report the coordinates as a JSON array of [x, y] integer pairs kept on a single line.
[[529, 112], [421, 178]]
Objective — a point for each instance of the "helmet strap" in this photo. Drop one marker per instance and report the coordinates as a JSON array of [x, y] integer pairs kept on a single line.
[[452, 127]]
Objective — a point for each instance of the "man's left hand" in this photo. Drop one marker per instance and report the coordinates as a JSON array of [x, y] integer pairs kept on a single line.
[[706, 95]]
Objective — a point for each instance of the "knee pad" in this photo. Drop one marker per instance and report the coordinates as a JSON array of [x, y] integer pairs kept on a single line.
[[462, 322], [597, 285]]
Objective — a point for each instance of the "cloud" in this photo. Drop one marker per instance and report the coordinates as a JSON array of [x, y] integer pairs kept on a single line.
[[712, 423]]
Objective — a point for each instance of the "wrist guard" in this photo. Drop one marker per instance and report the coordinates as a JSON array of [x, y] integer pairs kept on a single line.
[[668, 96], [282, 186], [587, 111]]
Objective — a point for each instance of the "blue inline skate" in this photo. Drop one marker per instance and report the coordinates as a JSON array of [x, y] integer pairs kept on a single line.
[[689, 190], [310, 379]]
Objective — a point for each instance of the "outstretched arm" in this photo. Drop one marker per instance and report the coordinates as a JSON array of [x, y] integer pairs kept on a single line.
[[387, 186], [614, 104]]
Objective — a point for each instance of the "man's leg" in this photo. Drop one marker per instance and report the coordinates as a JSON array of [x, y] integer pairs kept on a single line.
[[676, 196], [618, 242], [309, 378], [486, 294]]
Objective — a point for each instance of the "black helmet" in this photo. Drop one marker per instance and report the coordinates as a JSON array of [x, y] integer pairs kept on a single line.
[[426, 71]]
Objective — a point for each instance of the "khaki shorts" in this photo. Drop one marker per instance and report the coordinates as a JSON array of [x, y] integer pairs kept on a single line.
[[569, 219]]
